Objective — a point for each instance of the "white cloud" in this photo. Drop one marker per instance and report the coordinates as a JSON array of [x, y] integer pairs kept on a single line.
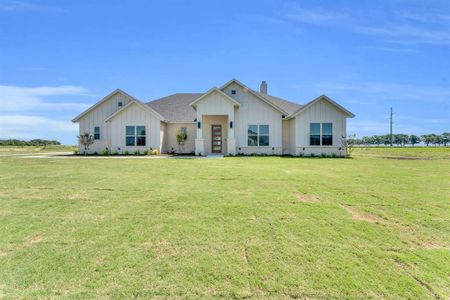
[[22, 6], [16, 98], [313, 17], [379, 90], [405, 33], [29, 127]]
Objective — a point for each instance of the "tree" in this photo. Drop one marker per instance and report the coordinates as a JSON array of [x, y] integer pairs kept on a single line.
[[181, 138], [348, 143], [414, 139], [86, 140], [427, 139], [445, 138]]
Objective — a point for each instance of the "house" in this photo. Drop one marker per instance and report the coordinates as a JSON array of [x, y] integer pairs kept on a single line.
[[232, 119]]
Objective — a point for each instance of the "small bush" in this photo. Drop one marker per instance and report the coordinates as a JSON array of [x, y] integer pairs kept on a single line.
[[76, 151], [126, 152], [95, 153], [106, 152], [301, 154], [312, 155], [146, 152], [136, 152], [115, 153], [323, 154], [155, 152], [333, 155]]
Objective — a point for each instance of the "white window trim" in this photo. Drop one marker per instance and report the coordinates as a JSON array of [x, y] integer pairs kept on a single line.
[[135, 135], [321, 134], [258, 135], [99, 133]]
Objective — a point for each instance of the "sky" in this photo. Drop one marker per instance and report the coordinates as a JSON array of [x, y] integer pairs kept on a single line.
[[59, 57]]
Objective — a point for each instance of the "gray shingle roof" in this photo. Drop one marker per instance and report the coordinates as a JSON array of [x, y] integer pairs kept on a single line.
[[176, 108], [286, 105]]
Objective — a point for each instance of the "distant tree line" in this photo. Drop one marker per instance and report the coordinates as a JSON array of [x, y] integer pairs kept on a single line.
[[405, 139], [35, 142]]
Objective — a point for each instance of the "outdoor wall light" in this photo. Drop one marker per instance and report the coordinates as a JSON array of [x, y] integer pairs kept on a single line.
[[231, 124], [304, 148], [199, 124]]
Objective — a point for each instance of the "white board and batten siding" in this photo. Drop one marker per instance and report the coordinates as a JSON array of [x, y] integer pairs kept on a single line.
[[135, 116], [97, 116], [170, 143], [254, 111], [320, 112]]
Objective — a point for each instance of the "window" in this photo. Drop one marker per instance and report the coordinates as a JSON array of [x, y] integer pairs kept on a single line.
[[135, 135], [119, 104], [327, 134], [264, 135], [253, 135], [140, 135], [233, 92], [96, 133], [258, 135], [314, 134], [322, 137]]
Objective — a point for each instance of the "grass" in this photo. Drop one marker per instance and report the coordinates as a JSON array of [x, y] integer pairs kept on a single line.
[[7, 150], [405, 152], [259, 227]]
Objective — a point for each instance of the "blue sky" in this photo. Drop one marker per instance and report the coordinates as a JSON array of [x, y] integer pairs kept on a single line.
[[59, 57]]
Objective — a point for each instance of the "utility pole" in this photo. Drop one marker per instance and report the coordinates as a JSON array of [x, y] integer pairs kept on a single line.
[[390, 131]]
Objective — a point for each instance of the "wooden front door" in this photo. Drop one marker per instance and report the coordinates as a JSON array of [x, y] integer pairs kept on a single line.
[[216, 138]]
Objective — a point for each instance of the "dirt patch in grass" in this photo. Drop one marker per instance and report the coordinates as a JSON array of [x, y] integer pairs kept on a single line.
[[33, 241], [362, 216], [306, 198]]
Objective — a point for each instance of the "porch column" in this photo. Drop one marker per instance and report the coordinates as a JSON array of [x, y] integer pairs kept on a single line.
[[199, 142], [231, 142]]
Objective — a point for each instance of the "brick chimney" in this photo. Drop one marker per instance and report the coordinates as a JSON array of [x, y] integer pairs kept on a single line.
[[263, 87]]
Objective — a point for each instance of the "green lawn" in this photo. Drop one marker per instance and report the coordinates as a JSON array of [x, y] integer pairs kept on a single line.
[[7, 150], [259, 227], [404, 152]]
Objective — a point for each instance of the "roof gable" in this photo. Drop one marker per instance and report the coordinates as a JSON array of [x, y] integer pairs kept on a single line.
[[104, 99], [257, 95], [326, 98], [214, 90], [140, 104]]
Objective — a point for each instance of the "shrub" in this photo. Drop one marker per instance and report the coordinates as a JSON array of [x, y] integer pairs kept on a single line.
[[323, 154], [146, 152], [106, 152], [126, 152], [301, 154], [333, 155], [76, 151], [312, 155], [136, 152], [115, 153], [95, 153], [155, 152]]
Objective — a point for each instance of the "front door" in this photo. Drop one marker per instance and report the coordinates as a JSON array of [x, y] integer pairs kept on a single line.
[[216, 131]]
